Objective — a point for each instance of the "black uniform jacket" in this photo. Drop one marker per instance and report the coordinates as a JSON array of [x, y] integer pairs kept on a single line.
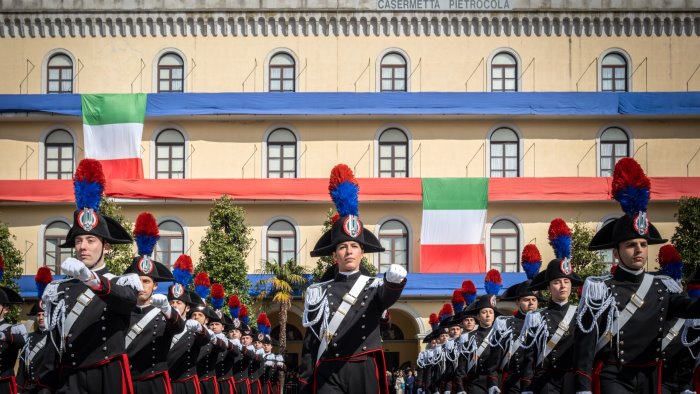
[[98, 334], [182, 357], [241, 364], [638, 343], [9, 349], [359, 331], [514, 370], [485, 373], [41, 370], [225, 361], [148, 352], [206, 361]]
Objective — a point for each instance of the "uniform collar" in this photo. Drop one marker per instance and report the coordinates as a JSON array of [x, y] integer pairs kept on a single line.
[[347, 278], [626, 275], [557, 306], [102, 271], [520, 315]]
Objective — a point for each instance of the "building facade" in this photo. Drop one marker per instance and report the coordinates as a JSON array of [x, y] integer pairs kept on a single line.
[[289, 63]]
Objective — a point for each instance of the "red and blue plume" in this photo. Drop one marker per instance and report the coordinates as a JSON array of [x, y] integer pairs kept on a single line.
[[343, 189], [434, 321], [694, 290], [446, 312], [243, 315], [264, 325], [630, 186], [670, 262], [457, 300], [2, 267], [560, 238], [146, 233], [217, 296], [493, 282], [202, 285], [531, 260], [182, 270], [42, 279], [234, 306], [88, 184], [468, 291]]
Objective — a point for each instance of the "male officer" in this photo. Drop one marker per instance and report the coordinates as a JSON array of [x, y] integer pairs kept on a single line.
[[342, 346], [511, 365], [12, 339], [185, 345], [242, 365], [37, 366], [154, 322], [89, 313], [548, 333], [621, 318]]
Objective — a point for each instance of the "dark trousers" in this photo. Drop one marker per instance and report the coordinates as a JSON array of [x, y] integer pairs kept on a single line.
[[511, 383], [348, 377], [8, 385], [186, 386], [552, 381], [255, 387], [226, 386], [112, 377], [242, 386], [155, 384], [626, 380], [209, 385]]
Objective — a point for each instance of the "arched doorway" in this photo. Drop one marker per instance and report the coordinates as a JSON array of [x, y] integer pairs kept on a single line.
[[400, 339]]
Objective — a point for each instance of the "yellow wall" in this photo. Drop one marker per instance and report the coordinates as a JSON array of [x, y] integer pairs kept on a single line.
[[439, 147], [329, 63]]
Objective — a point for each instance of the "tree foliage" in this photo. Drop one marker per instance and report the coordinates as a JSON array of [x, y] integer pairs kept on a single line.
[[225, 247], [584, 262], [686, 238], [13, 265], [119, 258], [324, 263]]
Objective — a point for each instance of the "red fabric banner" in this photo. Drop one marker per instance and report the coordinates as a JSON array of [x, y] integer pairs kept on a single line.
[[306, 189], [461, 259]]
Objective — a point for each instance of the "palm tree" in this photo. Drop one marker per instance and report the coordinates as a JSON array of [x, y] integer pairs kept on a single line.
[[284, 282]]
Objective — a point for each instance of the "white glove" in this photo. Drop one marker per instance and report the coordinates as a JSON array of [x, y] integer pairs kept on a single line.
[[395, 273], [236, 342], [77, 269], [193, 325], [448, 392], [19, 329], [584, 392], [2, 337], [494, 390], [688, 392], [212, 336], [259, 352], [221, 337], [161, 301], [250, 348], [269, 363], [462, 392]]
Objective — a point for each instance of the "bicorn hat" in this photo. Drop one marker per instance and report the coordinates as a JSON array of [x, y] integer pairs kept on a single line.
[[346, 225], [147, 234], [632, 189], [560, 267], [88, 184], [42, 278]]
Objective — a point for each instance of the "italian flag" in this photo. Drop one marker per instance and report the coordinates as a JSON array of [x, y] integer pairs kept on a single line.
[[452, 233], [113, 125]]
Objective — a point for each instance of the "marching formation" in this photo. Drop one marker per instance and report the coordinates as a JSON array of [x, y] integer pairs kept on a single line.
[[101, 333], [631, 332]]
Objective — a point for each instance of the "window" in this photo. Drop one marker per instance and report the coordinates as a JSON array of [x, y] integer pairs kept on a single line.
[[58, 155], [505, 246], [281, 242], [613, 73], [505, 153], [171, 243], [614, 145], [393, 154], [170, 155], [281, 154], [282, 73], [59, 78], [393, 236], [504, 73], [54, 235], [171, 71], [392, 333], [393, 73]]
